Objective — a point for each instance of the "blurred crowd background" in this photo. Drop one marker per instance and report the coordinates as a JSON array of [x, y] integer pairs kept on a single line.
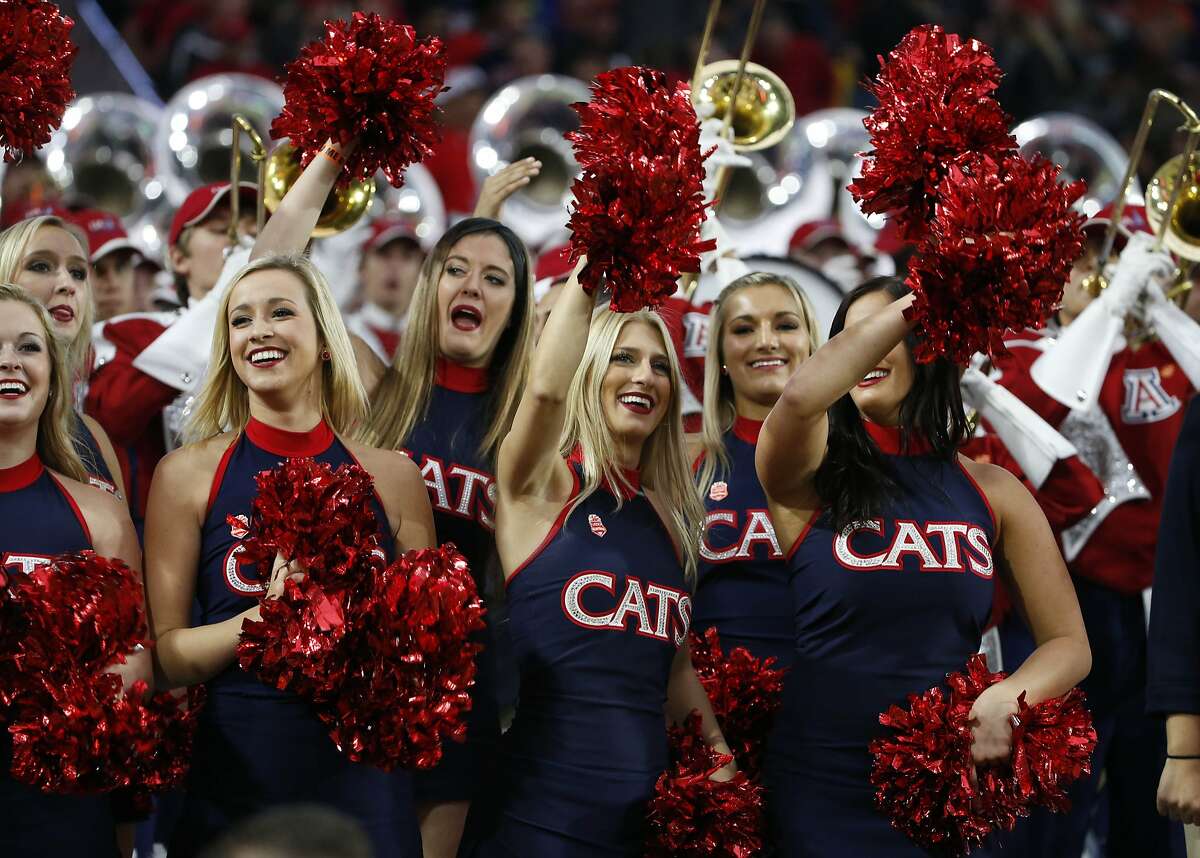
[[1097, 58]]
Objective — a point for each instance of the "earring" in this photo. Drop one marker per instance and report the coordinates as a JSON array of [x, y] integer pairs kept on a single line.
[[724, 370], [325, 354]]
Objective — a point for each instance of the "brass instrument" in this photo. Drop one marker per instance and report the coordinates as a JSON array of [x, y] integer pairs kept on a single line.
[[1172, 196], [763, 111], [1083, 150], [258, 154], [343, 207]]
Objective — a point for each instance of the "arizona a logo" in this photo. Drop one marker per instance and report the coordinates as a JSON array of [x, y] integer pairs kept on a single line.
[[1146, 400]]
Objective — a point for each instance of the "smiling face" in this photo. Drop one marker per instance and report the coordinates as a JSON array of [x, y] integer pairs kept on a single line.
[[475, 296], [54, 270], [763, 340], [882, 391], [25, 369], [273, 342], [636, 389]]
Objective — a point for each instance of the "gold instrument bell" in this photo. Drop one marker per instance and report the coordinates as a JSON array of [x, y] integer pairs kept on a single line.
[[763, 109], [1181, 231], [343, 207]]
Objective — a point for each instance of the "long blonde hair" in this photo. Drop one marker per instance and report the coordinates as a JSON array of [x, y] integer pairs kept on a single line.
[[719, 409], [54, 444], [224, 403], [664, 465], [402, 398], [13, 243]]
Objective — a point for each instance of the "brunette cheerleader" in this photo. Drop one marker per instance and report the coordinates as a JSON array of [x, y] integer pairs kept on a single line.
[[895, 540], [597, 537], [46, 509], [762, 326], [282, 377], [45, 256]]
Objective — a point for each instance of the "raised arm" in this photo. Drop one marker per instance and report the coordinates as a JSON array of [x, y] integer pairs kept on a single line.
[[794, 436], [529, 463], [291, 226]]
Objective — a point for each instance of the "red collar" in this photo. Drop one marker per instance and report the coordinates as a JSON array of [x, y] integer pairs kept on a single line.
[[459, 378], [887, 439], [284, 443], [633, 477], [20, 476], [747, 429]]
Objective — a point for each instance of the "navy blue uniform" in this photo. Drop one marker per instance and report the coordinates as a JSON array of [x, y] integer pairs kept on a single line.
[[462, 492], [884, 608], [89, 453], [597, 613], [743, 588], [257, 747], [40, 520]]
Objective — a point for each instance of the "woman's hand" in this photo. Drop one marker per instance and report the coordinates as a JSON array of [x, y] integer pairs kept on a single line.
[[281, 571], [1179, 791], [991, 719], [501, 185], [136, 666], [725, 773]]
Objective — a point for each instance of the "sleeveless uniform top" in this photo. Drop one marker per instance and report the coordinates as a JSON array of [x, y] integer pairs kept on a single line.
[[742, 588], [256, 746], [598, 613], [462, 492], [38, 520], [88, 449], [883, 609]]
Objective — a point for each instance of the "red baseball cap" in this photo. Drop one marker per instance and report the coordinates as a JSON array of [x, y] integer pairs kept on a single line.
[[17, 213], [105, 233], [200, 203], [814, 232], [553, 263], [1133, 219], [388, 228]]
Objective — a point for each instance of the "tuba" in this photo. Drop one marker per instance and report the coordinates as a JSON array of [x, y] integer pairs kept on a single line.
[[527, 118], [101, 155], [193, 138], [1083, 149]]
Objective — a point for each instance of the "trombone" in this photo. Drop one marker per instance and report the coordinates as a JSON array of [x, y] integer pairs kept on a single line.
[[1172, 196]]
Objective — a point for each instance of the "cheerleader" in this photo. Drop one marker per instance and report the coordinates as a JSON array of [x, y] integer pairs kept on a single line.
[[762, 327], [47, 509], [597, 537], [45, 257], [282, 377], [895, 540]]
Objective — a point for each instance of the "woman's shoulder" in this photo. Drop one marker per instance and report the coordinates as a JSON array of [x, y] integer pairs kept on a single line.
[[197, 461], [389, 468], [1001, 489]]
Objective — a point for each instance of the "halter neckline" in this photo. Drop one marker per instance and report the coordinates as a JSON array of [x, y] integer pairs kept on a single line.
[[459, 378], [282, 442], [20, 476]]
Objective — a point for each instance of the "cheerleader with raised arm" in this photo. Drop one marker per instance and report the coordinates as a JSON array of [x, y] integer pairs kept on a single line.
[[46, 256], [281, 383], [597, 523], [894, 540], [46, 509]]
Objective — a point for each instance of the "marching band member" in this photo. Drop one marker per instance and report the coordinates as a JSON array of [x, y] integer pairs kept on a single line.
[[48, 509], [1126, 439], [282, 378], [761, 328], [131, 402], [895, 541], [112, 256], [597, 537], [389, 266], [45, 256]]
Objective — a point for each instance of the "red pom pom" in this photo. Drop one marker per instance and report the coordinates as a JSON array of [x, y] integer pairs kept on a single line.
[[371, 80], [35, 74], [935, 94], [693, 815], [921, 773], [745, 695], [313, 515], [411, 662], [999, 249], [639, 203], [72, 729]]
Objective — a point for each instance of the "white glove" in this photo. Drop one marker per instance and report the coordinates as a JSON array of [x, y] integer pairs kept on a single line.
[[179, 357], [1138, 264], [724, 156], [1033, 443], [1177, 330]]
